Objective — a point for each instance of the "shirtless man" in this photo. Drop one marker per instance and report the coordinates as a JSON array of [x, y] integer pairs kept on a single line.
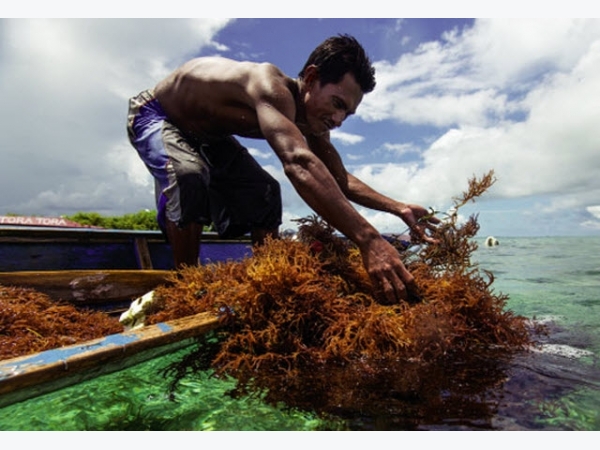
[[183, 130]]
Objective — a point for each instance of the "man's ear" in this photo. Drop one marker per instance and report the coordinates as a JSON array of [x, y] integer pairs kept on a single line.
[[311, 75]]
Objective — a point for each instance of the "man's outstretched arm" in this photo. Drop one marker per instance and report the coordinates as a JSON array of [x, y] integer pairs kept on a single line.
[[417, 218], [319, 189]]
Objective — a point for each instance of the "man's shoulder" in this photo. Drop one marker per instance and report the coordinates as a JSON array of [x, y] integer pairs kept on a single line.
[[208, 62], [223, 62], [225, 69]]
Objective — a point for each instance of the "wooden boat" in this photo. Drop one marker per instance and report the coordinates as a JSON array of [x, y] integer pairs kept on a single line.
[[28, 376], [96, 289], [97, 268], [52, 248]]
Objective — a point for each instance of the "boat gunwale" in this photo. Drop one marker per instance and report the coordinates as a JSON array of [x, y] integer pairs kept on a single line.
[[29, 376]]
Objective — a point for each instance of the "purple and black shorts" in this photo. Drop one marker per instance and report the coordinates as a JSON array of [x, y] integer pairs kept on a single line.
[[216, 182]]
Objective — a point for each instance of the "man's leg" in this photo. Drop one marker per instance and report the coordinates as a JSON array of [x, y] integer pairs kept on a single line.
[[244, 196], [181, 175], [185, 243], [258, 235]]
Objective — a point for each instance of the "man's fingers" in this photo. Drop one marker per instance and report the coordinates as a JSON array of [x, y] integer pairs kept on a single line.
[[388, 274], [392, 292], [388, 291], [395, 287], [431, 226], [399, 291], [420, 230]]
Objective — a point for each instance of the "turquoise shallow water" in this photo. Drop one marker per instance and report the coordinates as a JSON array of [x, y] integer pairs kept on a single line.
[[550, 278], [555, 281], [138, 399]]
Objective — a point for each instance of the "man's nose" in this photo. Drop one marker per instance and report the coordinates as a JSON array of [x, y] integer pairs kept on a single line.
[[338, 117]]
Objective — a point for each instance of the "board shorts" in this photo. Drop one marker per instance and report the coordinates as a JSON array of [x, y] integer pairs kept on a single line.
[[202, 181]]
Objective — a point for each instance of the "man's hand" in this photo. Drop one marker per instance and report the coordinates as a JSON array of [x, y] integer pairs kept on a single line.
[[391, 280], [419, 221]]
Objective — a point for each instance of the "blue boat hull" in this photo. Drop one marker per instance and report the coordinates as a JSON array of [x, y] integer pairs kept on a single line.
[[35, 249]]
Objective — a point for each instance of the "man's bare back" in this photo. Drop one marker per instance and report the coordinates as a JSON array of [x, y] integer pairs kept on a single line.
[[217, 96]]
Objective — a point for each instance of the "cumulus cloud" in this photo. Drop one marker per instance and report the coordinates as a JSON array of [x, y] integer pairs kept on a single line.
[[346, 138], [553, 150], [260, 154], [65, 85], [594, 211], [513, 96], [592, 222], [400, 149]]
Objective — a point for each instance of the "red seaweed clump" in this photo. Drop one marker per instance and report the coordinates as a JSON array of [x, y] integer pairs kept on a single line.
[[31, 322], [300, 316]]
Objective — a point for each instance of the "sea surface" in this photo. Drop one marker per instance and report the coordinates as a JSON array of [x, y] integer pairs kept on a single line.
[[554, 281]]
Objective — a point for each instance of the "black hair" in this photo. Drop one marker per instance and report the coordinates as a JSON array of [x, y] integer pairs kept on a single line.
[[339, 55]]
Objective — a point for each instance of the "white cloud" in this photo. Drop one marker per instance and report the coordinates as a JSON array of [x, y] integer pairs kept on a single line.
[[507, 51], [594, 211], [594, 222], [260, 154], [346, 138], [554, 150], [547, 71], [476, 77], [400, 149], [353, 157], [64, 88]]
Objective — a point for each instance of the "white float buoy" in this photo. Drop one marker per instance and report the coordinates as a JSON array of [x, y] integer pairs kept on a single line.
[[491, 241]]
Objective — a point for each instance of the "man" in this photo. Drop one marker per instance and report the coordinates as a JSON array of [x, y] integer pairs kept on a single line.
[[183, 130]]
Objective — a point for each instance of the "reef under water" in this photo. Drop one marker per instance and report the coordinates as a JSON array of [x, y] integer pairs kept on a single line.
[[302, 325]]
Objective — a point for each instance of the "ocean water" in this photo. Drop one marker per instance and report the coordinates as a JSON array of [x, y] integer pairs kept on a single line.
[[555, 281], [551, 280]]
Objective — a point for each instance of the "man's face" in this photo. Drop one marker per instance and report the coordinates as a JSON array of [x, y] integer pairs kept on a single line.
[[329, 105]]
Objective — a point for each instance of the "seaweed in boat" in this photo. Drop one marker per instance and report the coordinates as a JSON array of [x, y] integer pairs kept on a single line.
[[32, 322]]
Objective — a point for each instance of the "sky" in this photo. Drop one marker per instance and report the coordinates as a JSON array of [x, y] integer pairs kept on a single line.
[[455, 98]]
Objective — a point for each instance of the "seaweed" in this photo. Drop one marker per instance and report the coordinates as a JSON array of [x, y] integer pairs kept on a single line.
[[31, 322], [300, 315], [302, 325]]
